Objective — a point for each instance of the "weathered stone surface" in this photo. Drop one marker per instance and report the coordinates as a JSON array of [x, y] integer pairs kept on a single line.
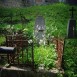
[[18, 72], [39, 30], [71, 32]]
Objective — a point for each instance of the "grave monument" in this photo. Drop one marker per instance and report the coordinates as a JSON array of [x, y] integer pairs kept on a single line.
[[71, 30], [39, 30]]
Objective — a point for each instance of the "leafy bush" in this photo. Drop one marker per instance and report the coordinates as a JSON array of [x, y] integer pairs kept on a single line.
[[70, 58], [45, 55]]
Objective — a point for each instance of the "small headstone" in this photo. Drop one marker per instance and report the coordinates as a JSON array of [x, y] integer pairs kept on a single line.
[[39, 30], [71, 32]]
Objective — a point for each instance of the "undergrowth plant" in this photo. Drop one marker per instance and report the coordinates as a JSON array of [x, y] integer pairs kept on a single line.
[[70, 58], [45, 55]]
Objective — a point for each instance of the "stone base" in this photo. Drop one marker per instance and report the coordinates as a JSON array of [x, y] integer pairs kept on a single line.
[[25, 72]]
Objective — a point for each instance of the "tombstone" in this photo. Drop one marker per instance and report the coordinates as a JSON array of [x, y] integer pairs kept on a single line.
[[71, 30], [39, 30]]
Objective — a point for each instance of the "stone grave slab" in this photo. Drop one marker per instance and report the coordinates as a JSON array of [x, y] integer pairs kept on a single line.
[[39, 30], [71, 30]]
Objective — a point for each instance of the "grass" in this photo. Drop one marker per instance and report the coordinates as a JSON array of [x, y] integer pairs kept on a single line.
[[56, 17]]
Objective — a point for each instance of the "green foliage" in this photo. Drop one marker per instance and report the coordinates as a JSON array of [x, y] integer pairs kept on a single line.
[[56, 20], [56, 17], [70, 73], [70, 58], [59, 75], [2, 39], [45, 55]]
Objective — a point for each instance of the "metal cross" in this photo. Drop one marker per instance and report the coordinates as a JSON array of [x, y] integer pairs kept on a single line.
[[72, 10]]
